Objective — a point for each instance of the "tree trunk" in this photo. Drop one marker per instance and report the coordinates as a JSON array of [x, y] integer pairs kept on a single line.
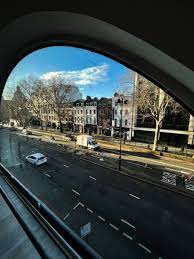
[[61, 126], [156, 136]]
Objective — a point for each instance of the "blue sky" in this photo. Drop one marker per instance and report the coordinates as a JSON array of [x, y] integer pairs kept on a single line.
[[95, 74]]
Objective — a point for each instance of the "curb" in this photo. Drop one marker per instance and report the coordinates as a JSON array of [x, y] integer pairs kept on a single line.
[[172, 189]]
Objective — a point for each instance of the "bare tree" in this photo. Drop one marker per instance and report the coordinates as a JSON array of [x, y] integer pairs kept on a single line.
[[153, 102], [33, 90], [58, 94]]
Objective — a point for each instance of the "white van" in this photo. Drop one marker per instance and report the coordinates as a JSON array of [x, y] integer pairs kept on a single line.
[[87, 141]]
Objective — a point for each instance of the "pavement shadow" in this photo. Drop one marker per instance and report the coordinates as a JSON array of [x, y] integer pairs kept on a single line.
[[132, 153]]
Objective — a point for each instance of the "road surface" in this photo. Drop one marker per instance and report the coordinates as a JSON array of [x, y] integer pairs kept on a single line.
[[129, 218]]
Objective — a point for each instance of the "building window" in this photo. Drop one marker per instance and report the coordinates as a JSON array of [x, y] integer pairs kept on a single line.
[[125, 122], [126, 111], [86, 111], [81, 111], [94, 120], [94, 111], [115, 111], [120, 111], [78, 111], [90, 111], [90, 120], [87, 120], [75, 111], [75, 119], [115, 122]]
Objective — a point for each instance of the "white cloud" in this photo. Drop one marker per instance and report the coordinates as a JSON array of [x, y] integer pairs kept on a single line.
[[83, 78]]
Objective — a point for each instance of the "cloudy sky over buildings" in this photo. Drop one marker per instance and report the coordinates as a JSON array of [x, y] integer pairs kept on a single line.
[[94, 74]]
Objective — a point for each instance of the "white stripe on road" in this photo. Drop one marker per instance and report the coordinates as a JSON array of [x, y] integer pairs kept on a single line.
[[81, 204], [127, 236], [18, 164], [126, 222], [144, 166], [75, 192], [48, 175], [113, 226], [66, 216], [76, 206], [145, 248], [101, 218], [91, 211], [171, 169], [66, 165], [92, 178], [134, 196]]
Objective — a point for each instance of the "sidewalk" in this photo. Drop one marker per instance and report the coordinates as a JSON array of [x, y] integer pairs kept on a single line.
[[111, 150]]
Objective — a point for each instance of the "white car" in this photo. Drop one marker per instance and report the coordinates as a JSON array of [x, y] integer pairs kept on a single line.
[[36, 159]]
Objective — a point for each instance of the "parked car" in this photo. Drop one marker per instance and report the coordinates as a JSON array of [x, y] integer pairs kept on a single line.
[[36, 159]]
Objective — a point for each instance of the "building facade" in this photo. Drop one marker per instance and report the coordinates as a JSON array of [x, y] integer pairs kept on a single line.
[[124, 114], [104, 116], [85, 115]]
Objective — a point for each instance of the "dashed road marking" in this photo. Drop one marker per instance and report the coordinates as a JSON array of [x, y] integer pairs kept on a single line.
[[66, 216], [136, 197], [113, 226], [76, 206], [66, 165], [91, 211], [126, 222], [93, 178], [48, 175], [101, 218], [145, 248], [75, 192], [82, 204], [127, 236]]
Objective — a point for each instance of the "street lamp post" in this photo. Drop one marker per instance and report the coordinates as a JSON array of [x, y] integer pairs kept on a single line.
[[121, 113]]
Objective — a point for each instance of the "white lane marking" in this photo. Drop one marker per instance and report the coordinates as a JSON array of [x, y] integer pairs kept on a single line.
[[171, 169], [48, 175], [66, 165], [145, 248], [135, 163], [91, 211], [113, 226], [134, 196], [127, 236], [75, 192], [126, 222], [66, 216], [81, 204], [93, 178], [76, 206], [18, 164], [101, 218]]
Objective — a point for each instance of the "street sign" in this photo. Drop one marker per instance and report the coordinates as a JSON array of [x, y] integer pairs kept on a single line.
[[86, 229]]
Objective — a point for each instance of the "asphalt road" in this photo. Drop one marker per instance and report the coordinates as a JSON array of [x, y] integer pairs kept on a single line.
[[129, 218]]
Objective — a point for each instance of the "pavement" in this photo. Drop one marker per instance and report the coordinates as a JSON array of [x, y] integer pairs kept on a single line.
[[129, 218]]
